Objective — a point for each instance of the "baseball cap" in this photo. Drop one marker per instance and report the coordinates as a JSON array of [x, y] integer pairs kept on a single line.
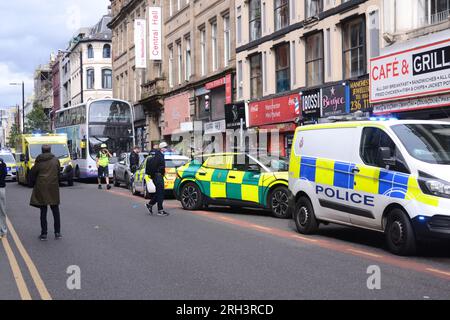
[[163, 145]]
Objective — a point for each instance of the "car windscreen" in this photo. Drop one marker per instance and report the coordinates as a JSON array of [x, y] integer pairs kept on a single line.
[[426, 142], [175, 163], [7, 158], [59, 150]]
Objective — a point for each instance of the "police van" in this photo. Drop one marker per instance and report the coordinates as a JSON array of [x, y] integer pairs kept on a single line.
[[390, 176]]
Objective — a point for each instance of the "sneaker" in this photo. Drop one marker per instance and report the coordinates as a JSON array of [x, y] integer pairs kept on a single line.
[[162, 213], [99, 186], [58, 236], [149, 208], [43, 237], [108, 187]]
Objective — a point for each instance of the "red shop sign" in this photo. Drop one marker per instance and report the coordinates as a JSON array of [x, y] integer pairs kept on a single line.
[[214, 84], [277, 110]]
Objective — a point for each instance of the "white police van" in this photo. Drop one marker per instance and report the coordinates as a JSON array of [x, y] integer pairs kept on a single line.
[[389, 176]]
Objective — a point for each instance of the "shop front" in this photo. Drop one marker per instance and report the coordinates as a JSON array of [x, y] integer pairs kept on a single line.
[[277, 116], [411, 80]]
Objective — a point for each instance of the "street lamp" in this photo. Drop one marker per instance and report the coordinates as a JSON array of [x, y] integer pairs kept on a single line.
[[23, 102]]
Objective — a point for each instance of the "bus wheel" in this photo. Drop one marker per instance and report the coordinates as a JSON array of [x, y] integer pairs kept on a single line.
[[399, 233], [304, 217]]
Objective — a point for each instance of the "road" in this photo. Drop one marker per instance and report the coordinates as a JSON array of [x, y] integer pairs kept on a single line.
[[123, 253]]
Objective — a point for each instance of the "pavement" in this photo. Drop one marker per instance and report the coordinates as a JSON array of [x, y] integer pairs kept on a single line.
[[124, 253]]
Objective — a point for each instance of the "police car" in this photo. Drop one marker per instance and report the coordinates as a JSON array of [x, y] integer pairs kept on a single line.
[[390, 176], [140, 179], [235, 179], [11, 166]]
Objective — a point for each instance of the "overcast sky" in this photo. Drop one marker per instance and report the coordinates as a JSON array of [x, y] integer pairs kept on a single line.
[[30, 30]]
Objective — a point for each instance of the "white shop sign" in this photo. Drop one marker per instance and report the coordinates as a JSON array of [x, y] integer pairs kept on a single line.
[[215, 127], [413, 72], [412, 104]]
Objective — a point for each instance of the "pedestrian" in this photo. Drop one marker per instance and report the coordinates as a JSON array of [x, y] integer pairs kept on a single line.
[[3, 173], [155, 168], [102, 166], [45, 178], [134, 159]]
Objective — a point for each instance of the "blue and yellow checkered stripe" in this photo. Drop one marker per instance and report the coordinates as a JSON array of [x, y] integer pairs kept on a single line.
[[369, 179]]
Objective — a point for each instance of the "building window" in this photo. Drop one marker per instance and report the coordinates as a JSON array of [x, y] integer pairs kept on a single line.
[[179, 62], [239, 74], [171, 67], [90, 78], [203, 51], [354, 48], [90, 52], [281, 14], [226, 40], [313, 7], [107, 79], [178, 4], [282, 67], [314, 59], [214, 50], [106, 51], [188, 59], [239, 29], [170, 8], [255, 76], [255, 19]]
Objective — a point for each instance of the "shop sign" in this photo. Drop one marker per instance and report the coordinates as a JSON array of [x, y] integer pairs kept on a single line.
[[271, 111], [334, 100]]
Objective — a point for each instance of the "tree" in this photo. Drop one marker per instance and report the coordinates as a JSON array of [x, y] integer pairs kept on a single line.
[[37, 120], [14, 134]]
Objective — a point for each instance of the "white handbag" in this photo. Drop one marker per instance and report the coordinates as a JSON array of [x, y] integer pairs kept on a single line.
[[151, 188]]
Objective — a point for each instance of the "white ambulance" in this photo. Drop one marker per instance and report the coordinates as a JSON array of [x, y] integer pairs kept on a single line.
[[389, 176]]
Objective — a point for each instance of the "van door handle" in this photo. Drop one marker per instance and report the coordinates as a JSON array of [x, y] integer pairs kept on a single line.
[[355, 170], [202, 173], [232, 177]]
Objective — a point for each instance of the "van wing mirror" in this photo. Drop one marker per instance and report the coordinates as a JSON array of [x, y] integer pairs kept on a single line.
[[385, 156]]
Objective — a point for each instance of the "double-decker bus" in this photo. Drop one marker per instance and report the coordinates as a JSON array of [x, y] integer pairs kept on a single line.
[[90, 124]]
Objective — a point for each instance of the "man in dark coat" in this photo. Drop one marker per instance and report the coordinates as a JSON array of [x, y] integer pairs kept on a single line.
[[156, 168], [134, 159], [45, 175]]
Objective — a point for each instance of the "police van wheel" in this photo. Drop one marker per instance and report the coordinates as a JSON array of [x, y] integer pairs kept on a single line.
[[304, 217], [399, 233], [191, 197], [279, 203]]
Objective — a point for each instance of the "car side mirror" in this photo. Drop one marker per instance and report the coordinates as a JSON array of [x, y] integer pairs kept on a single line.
[[385, 156]]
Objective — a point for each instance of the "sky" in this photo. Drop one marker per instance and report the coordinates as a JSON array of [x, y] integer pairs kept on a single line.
[[30, 30]]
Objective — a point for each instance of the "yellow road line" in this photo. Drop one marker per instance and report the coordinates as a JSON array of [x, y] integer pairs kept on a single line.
[[439, 271], [40, 286], [18, 277]]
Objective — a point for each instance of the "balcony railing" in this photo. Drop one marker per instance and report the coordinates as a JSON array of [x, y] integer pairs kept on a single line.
[[153, 88], [435, 18]]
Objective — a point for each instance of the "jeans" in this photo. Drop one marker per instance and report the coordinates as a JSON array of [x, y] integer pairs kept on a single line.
[[2, 211], [56, 219], [158, 197]]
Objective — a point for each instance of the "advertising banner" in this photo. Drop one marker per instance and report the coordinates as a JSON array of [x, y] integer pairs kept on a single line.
[[359, 95], [155, 33], [422, 70], [276, 110], [334, 100], [233, 115], [140, 43], [311, 104]]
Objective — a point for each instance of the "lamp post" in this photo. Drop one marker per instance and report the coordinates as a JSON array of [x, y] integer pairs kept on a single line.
[[23, 102]]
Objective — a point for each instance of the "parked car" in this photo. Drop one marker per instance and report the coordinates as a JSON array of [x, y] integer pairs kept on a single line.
[[11, 165], [122, 171]]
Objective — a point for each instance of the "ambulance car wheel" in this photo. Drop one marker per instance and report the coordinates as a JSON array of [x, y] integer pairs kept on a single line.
[[191, 197], [279, 203], [116, 181], [133, 189], [399, 233], [304, 216]]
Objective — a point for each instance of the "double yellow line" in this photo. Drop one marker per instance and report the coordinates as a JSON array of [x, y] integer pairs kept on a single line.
[[18, 276]]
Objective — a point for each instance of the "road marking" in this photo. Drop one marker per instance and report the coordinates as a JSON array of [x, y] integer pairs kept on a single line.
[[40, 286], [365, 253], [324, 244], [260, 227], [18, 277], [439, 271]]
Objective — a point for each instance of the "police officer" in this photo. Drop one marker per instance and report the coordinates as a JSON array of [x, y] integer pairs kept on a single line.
[[155, 168], [102, 165], [134, 159]]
